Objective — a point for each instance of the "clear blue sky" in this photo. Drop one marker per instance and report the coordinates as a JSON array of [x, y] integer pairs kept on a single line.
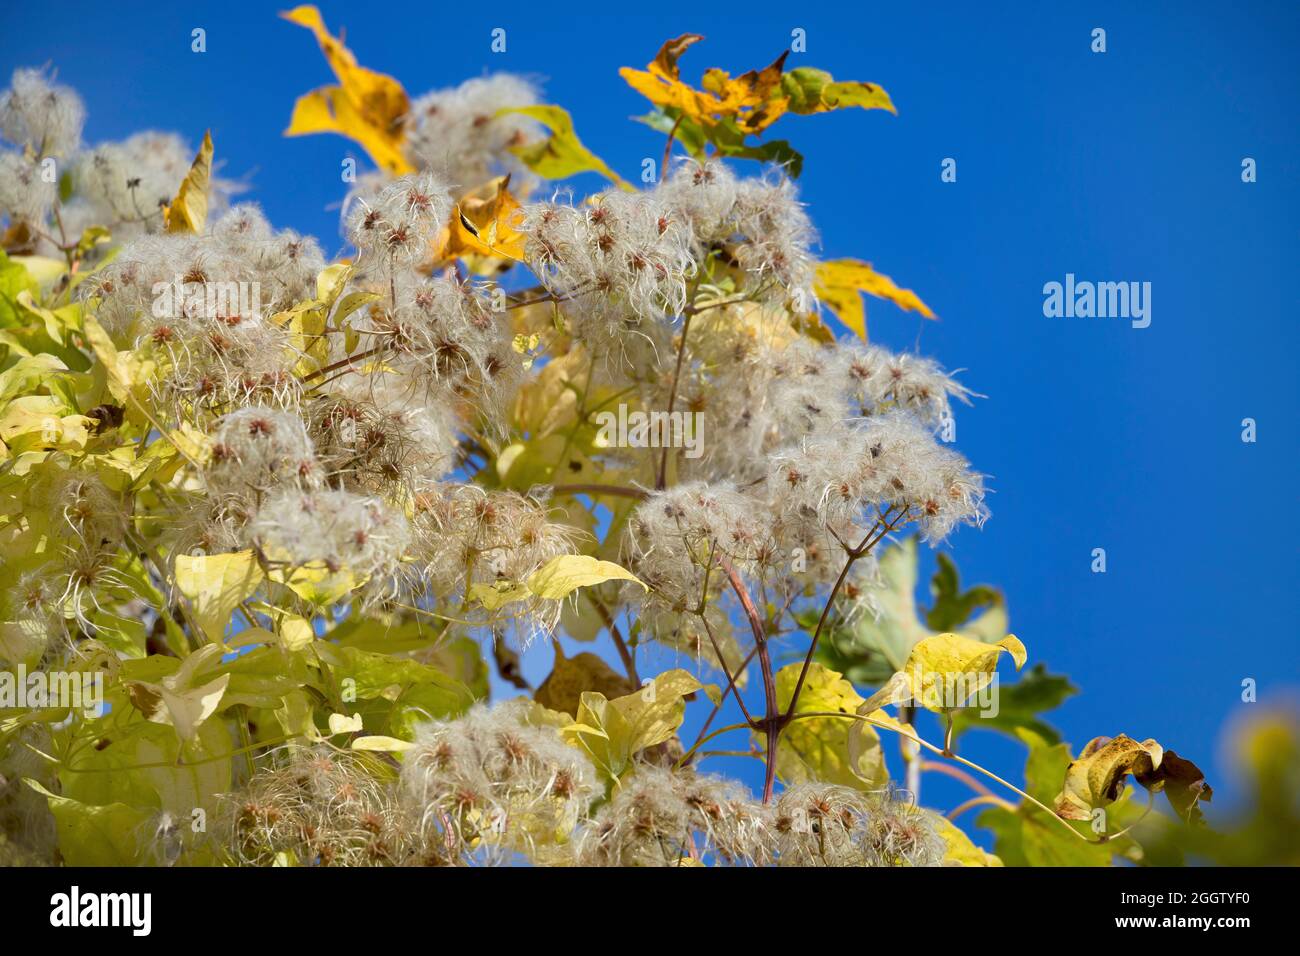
[[1117, 166]]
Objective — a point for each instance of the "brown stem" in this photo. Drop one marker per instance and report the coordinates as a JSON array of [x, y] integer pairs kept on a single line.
[[668, 147], [344, 363], [865, 545], [672, 395], [717, 708], [624, 654], [773, 721]]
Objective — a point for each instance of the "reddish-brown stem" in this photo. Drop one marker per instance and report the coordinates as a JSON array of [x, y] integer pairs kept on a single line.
[[865, 545], [344, 363], [624, 653], [731, 681], [772, 722], [662, 477], [668, 147]]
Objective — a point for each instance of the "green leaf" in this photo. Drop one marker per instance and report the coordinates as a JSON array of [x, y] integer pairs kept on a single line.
[[1020, 704], [953, 607], [13, 280], [810, 90], [96, 836]]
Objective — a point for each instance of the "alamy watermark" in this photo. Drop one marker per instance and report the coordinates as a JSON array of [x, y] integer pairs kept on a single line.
[[624, 429], [53, 690], [1101, 300], [173, 299], [75, 908]]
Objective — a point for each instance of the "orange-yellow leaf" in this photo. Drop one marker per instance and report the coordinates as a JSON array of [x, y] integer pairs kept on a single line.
[[366, 106], [839, 285], [482, 225], [752, 101]]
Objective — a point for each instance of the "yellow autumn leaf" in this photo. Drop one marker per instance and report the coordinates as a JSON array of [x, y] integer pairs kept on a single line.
[[318, 584], [614, 731], [817, 748], [177, 700], [215, 584], [561, 154], [944, 671], [343, 724], [381, 744], [553, 581], [563, 575], [366, 106], [752, 101], [839, 284], [959, 850], [188, 212], [481, 227]]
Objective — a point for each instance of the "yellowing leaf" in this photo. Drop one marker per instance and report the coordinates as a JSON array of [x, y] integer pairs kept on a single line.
[[215, 584], [95, 835], [188, 212], [750, 99], [614, 731], [810, 90], [367, 107], [177, 700], [333, 279], [749, 103], [481, 227], [561, 154], [382, 744], [1096, 778], [563, 575], [553, 581], [960, 850], [840, 282], [342, 724], [944, 671], [318, 584], [128, 373], [817, 748]]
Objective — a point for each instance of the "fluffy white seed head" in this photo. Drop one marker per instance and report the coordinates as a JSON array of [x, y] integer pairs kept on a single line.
[[397, 226], [457, 132], [38, 113], [26, 192], [495, 781], [616, 261], [256, 449], [332, 528], [889, 465]]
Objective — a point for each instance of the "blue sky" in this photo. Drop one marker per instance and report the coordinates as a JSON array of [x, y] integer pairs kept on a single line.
[[1122, 166]]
